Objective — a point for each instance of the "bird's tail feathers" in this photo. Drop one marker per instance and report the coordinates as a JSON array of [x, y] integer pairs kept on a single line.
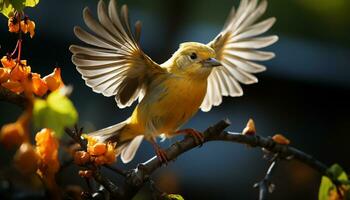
[[110, 133], [128, 150]]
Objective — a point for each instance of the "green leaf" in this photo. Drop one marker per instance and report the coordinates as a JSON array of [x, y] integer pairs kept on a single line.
[[56, 112], [8, 7], [337, 172], [174, 197], [325, 188], [30, 3]]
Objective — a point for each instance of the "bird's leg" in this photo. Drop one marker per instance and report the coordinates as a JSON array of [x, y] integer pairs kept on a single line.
[[198, 136], [161, 154]]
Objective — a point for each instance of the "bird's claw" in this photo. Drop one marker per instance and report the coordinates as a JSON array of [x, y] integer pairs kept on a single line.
[[198, 136], [161, 155]]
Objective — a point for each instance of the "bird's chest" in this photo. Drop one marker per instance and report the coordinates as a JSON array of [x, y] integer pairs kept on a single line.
[[184, 96], [171, 103]]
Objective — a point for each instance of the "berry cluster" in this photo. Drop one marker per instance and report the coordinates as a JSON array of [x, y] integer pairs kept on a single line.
[[15, 73], [26, 25], [13, 76], [41, 158], [17, 76], [97, 154]]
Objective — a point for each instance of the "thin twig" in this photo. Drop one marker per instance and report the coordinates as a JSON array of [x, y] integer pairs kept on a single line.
[[265, 185], [11, 97]]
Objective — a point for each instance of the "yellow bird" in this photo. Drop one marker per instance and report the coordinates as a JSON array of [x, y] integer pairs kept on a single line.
[[169, 94]]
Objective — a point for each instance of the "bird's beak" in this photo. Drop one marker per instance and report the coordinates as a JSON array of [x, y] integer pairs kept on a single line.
[[211, 62]]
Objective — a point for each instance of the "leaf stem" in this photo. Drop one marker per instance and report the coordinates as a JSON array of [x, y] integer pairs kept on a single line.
[[15, 50], [19, 41]]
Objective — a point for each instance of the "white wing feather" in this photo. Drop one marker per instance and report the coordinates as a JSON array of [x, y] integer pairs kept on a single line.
[[236, 48], [113, 64]]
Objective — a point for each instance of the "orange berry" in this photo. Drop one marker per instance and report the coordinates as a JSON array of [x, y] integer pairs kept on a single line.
[[8, 62], [81, 157], [19, 73], [26, 159], [280, 139], [108, 158], [111, 153], [99, 149], [47, 150], [24, 27], [100, 153], [27, 85], [13, 25], [14, 86], [4, 74], [54, 80], [28, 26], [91, 141], [85, 173], [31, 28], [39, 86], [12, 134], [24, 62]]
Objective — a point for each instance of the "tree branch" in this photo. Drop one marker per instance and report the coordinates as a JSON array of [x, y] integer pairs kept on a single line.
[[140, 175], [8, 96], [136, 178]]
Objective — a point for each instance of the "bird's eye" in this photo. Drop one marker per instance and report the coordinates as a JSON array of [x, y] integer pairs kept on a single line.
[[193, 56]]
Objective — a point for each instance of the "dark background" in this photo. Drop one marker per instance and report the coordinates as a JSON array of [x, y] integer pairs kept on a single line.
[[304, 94]]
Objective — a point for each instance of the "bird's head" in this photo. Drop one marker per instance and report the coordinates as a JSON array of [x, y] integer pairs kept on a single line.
[[194, 59]]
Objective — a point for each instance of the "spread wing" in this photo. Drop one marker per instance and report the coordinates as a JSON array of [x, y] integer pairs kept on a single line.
[[236, 48], [112, 63]]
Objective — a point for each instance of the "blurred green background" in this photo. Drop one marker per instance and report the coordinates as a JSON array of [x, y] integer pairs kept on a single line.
[[304, 94]]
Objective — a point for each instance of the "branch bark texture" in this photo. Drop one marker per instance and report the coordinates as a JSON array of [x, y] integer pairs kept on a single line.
[[137, 177], [8, 96]]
